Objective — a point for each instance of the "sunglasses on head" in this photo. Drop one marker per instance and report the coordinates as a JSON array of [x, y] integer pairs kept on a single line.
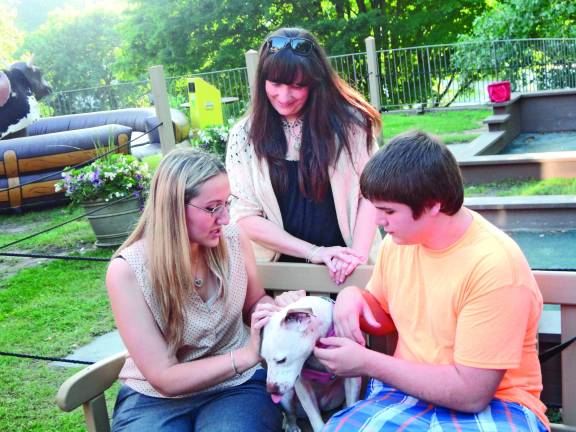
[[299, 45]]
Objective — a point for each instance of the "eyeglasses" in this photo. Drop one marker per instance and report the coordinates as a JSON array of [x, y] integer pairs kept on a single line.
[[299, 45], [219, 209]]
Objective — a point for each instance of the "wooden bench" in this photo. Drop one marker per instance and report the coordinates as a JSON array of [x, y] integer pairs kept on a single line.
[[86, 388]]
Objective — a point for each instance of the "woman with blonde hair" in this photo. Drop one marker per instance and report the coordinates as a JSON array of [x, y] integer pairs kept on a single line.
[[182, 288], [295, 160]]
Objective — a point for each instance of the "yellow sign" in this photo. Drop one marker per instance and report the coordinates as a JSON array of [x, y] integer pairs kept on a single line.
[[205, 104]]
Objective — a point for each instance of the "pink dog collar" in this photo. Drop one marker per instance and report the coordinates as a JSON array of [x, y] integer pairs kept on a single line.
[[321, 377]]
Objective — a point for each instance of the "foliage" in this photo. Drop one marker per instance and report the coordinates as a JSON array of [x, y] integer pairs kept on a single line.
[[213, 139], [515, 19], [520, 19], [76, 50], [10, 36], [112, 177], [210, 34]]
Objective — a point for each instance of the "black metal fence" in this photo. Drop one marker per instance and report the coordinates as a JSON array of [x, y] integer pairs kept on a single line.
[[436, 76]]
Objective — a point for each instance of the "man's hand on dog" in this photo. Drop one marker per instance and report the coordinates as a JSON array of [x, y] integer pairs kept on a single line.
[[349, 308], [341, 356]]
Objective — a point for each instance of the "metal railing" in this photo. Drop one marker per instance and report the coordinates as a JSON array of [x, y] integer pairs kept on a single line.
[[353, 68], [435, 76], [457, 74]]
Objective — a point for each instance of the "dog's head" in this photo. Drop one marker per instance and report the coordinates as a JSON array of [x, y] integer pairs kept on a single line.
[[39, 86], [288, 340]]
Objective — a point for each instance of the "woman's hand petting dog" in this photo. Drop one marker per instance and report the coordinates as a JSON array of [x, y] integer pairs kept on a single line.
[[289, 297], [260, 318]]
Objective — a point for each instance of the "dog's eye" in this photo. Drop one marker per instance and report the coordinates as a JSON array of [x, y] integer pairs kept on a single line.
[[281, 361]]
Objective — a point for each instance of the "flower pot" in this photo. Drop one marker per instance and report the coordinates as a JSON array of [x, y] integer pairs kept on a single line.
[[113, 224], [499, 91]]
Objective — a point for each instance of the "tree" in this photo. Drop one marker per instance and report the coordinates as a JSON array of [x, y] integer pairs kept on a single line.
[[10, 36], [200, 35], [516, 19], [77, 51], [541, 65]]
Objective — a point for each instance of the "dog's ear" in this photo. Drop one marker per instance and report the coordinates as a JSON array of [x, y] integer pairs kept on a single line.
[[298, 318]]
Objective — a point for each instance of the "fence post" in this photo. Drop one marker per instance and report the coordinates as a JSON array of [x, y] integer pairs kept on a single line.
[[373, 72], [160, 95], [251, 66]]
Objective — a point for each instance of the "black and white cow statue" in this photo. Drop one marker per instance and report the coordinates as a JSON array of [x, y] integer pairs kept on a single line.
[[21, 87]]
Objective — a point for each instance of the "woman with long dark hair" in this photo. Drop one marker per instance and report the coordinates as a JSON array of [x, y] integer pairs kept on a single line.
[[296, 158]]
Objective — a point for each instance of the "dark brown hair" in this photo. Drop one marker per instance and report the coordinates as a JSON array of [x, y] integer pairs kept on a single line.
[[331, 110], [417, 170]]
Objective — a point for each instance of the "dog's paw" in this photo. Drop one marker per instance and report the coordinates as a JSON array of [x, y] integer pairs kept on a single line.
[[290, 424]]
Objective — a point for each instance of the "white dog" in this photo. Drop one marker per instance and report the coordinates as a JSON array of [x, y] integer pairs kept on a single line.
[[287, 344]]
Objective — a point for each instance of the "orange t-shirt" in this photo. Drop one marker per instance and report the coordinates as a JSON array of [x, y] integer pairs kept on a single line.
[[475, 303]]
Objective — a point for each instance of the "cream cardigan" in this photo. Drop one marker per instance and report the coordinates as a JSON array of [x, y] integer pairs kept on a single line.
[[250, 182]]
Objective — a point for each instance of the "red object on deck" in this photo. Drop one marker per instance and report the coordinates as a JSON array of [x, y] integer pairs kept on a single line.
[[499, 91]]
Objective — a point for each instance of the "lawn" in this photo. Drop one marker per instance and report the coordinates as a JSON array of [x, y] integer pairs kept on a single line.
[[451, 126], [553, 186], [49, 309]]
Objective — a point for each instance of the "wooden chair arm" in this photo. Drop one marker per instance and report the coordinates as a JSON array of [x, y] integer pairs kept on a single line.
[[90, 382]]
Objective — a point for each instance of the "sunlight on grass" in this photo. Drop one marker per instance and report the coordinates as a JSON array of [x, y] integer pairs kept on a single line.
[[441, 123], [48, 310], [554, 186], [71, 236]]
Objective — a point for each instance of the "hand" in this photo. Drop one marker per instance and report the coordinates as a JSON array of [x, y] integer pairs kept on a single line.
[[339, 260], [260, 317], [350, 306], [289, 297], [341, 356], [340, 270]]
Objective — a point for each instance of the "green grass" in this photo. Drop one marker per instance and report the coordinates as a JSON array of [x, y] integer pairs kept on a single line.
[[73, 235], [153, 161], [554, 186], [48, 310], [448, 125]]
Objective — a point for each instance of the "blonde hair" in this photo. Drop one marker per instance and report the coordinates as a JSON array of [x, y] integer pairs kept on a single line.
[[163, 224]]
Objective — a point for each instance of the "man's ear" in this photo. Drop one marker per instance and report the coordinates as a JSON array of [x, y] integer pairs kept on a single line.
[[435, 209]]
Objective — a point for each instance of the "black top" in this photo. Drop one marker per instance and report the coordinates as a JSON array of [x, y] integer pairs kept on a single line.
[[314, 222]]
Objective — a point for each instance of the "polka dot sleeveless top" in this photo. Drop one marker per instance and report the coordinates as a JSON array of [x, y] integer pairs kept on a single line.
[[211, 328]]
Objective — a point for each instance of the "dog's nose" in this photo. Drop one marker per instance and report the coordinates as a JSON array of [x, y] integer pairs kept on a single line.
[[272, 388]]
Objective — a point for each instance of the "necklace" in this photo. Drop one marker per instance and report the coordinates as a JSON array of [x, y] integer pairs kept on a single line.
[[198, 281], [293, 133]]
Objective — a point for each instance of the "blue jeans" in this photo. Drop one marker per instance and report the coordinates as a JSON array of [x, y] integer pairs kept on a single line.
[[246, 407]]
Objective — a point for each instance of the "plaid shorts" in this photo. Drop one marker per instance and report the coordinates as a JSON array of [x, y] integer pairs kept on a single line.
[[388, 409]]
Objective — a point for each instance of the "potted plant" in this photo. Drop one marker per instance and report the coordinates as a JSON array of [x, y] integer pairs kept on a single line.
[[212, 139], [115, 184]]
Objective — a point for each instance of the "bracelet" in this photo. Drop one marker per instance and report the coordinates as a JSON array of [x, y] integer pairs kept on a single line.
[[312, 252], [236, 373]]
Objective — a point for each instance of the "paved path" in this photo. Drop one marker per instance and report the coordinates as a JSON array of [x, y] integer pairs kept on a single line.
[[101, 347]]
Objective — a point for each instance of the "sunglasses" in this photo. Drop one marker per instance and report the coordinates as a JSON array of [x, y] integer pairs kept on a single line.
[[299, 45]]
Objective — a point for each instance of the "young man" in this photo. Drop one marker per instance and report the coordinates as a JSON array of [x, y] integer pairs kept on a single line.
[[461, 296]]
